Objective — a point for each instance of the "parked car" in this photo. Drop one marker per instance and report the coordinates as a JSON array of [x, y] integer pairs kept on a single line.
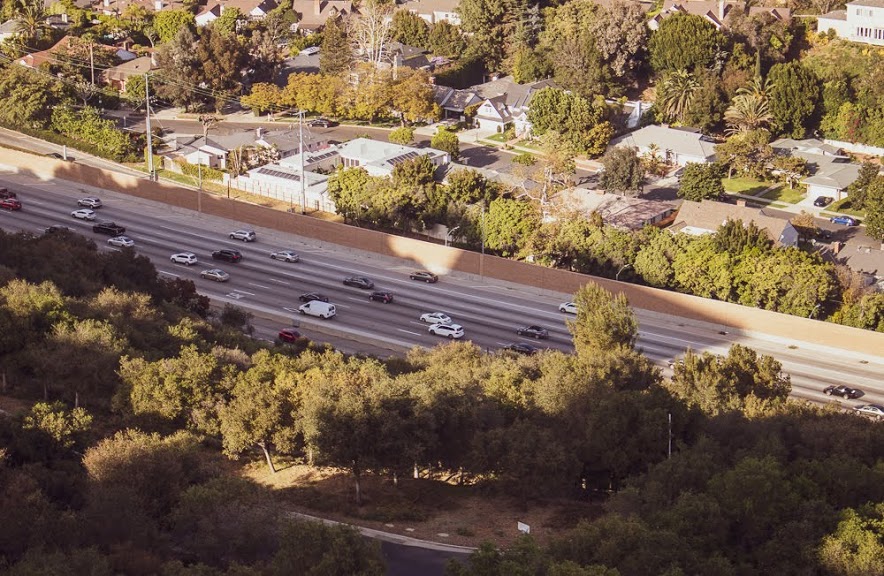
[[424, 276], [318, 308], [186, 258], [83, 214], [450, 331], [244, 235], [385, 297], [533, 331], [89, 202], [109, 228], [121, 241], [321, 123], [568, 307], [285, 256], [435, 318], [310, 296], [288, 335], [522, 348], [227, 254], [845, 220], [359, 282], [822, 201], [6, 193], [10, 204], [215, 274], [309, 51], [843, 391], [876, 411]]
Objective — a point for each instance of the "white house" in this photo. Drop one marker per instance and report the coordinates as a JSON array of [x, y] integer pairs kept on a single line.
[[831, 172], [506, 104], [673, 145], [860, 21], [251, 9], [434, 11], [699, 218], [8, 30]]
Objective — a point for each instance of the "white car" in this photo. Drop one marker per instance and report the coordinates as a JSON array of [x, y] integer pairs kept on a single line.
[[89, 202], [83, 214], [216, 274], [876, 411], [568, 307], [244, 235], [186, 258], [285, 256], [450, 331], [435, 318], [122, 241]]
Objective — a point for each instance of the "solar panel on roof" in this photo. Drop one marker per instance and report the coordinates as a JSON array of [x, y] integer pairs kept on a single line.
[[403, 157], [279, 174]]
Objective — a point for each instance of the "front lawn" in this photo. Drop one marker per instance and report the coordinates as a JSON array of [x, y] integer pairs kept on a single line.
[[785, 194], [844, 207], [747, 186], [496, 138]]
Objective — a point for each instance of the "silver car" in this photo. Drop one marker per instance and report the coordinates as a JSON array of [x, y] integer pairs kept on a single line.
[[450, 331], [568, 308], [121, 241], [285, 256], [436, 318], [83, 214], [244, 235], [186, 258], [89, 202], [876, 411], [215, 274]]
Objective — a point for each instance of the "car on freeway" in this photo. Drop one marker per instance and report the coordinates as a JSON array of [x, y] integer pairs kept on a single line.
[[876, 411], [6, 193], [89, 202], [244, 235], [56, 228], [533, 331], [227, 254], [216, 274], [109, 228], [288, 335], [673, 362], [822, 201], [385, 297], [845, 220], [121, 241], [285, 256], [521, 348], [321, 123], [568, 307], [424, 276], [10, 204], [310, 296], [450, 331], [358, 282], [186, 258], [435, 318], [83, 214], [843, 391]]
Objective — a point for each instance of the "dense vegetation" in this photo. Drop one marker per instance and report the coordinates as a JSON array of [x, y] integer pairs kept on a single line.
[[115, 464]]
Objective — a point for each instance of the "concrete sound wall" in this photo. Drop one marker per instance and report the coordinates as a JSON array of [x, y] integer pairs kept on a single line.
[[437, 257]]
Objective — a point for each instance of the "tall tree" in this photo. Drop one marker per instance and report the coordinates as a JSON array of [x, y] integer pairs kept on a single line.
[[874, 205], [447, 141], [794, 99], [675, 94], [446, 39], [489, 24], [857, 191], [624, 172], [335, 55], [222, 59], [701, 182], [605, 322], [370, 31], [685, 42], [749, 109], [410, 29], [509, 225], [170, 23]]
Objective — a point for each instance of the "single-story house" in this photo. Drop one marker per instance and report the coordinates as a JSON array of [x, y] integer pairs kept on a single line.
[[677, 146], [506, 104], [251, 9], [831, 171], [623, 212], [214, 150], [454, 102], [434, 11], [117, 76], [315, 13], [8, 29], [379, 158], [699, 218]]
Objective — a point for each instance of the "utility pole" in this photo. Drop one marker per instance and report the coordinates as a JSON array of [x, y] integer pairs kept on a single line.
[[482, 257], [301, 150], [91, 62], [669, 451], [147, 127]]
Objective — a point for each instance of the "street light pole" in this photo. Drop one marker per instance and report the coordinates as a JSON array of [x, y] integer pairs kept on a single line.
[[622, 268], [482, 257], [147, 126], [449, 233]]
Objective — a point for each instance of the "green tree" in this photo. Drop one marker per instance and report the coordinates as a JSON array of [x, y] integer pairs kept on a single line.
[[29, 97], [605, 322], [794, 99], [489, 25], [446, 141], [469, 186], [737, 237], [263, 98], [328, 550], [410, 29], [181, 69], [623, 171], [685, 42], [580, 120], [868, 172], [229, 20], [856, 548], [335, 54], [509, 225], [222, 59], [169, 23], [403, 135], [747, 154], [874, 205], [446, 40], [412, 96], [749, 109], [701, 182], [63, 426], [675, 94]]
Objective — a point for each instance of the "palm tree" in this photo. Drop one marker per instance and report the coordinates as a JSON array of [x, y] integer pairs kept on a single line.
[[675, 94], [749, 109], [30, 18]]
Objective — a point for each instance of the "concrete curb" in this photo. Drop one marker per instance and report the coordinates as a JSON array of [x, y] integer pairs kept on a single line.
[[390, 537]]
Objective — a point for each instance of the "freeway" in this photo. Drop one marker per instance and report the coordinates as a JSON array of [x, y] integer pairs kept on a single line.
[[490, 311]]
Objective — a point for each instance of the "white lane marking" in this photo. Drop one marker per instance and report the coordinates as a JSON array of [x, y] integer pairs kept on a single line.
[[234, 295], [259, 285], [502, 343], [243, 292], [356, 299], [277, 280], [340, 305], [409, 332], [293, 310], [172, 274]]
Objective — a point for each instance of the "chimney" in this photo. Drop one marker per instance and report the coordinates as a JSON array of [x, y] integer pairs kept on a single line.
[[721, 11], [158, 5], [317, 7], [741, 202]]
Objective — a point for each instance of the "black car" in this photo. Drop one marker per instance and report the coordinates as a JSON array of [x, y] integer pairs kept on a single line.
[[321, 123], [843, 391], [522, 348], [823, 201], [533, 331], [6, 193], [56, 228], [109, 228], [228, 255], [310, 296], [384, 297], [424, 276], [359, 282]]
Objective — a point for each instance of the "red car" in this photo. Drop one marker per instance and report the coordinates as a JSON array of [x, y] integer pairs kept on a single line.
[[10, 204], [288, 335]]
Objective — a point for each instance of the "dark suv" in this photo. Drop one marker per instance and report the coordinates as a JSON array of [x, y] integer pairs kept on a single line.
[[227, 255], [109, 228], [6, 193]]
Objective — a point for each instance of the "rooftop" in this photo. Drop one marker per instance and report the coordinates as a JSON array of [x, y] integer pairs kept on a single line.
[[706, 217], [666, 138]]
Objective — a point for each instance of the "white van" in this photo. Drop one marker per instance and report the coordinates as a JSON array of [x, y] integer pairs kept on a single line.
[[317, 308]]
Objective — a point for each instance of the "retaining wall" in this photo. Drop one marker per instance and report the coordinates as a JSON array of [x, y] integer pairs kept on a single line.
[[438, 257]]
